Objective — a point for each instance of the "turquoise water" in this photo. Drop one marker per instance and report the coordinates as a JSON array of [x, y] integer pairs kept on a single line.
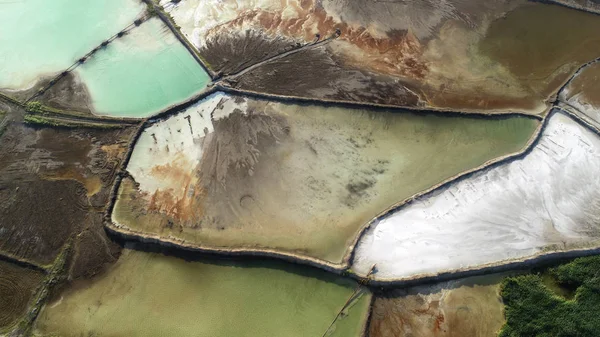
[[145, 71], [42, 37]]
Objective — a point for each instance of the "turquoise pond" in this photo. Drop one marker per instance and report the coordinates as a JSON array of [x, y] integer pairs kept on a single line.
[[43, 37], [142, 73]]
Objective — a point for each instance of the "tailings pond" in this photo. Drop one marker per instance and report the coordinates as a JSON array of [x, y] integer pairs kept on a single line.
[[145, 71], [237, 173], [41, 37], [147, 294]]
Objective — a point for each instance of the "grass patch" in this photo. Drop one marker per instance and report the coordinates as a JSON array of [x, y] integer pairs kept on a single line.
[[38, 107], [533, 309]]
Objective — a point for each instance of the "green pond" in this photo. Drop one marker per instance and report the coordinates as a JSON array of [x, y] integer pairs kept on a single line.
[[142, 73], [148, 294], [42, 37]]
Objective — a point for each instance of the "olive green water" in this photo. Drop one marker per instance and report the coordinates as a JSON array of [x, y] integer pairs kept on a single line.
[[146, 294], [542, 44], [145, 71], [42, 37]]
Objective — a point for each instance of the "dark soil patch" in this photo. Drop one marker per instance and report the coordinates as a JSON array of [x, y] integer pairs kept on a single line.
[[38, 216], [230, 53], [93, 251], [17, 288], [54, 183], [68, 93], [315, 73]]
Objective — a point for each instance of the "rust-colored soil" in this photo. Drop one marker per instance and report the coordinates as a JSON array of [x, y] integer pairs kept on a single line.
[[470, 307]]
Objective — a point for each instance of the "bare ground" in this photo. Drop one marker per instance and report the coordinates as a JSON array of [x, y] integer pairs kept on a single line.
[[55, 183]]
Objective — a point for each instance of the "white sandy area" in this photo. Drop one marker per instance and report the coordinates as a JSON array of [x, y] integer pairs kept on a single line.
[[176, 144], [548, 200]]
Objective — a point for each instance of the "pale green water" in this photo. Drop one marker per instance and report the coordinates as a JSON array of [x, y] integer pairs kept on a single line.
[[146, 294], [42, 37], [142, 73]]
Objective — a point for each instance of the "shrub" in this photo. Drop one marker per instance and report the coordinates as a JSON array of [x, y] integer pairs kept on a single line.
[[534, 310], [35, 107]]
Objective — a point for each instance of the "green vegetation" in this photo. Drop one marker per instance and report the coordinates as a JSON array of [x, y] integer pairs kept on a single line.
[[35, 107], [41, 114], [533, 309], [151, 10], [39, 108]]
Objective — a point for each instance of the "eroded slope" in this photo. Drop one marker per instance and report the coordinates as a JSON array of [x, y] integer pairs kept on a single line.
[[457, 54]]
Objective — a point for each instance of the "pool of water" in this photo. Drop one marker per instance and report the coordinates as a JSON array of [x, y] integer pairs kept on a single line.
[[147, 294], [145, 71], [42, 37]]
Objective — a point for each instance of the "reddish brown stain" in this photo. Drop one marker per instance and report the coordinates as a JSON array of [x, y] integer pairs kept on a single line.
[[397, 54]]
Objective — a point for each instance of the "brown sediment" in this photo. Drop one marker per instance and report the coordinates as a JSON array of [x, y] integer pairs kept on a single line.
[[587, 85], [17, 289], [51, 180], [230, 53], [382, 46], [469, 307], [38, 216], [472, 101], [398, 52], [67, 93], [94, 251], [544, 55], [317, 73], [329, 102]]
